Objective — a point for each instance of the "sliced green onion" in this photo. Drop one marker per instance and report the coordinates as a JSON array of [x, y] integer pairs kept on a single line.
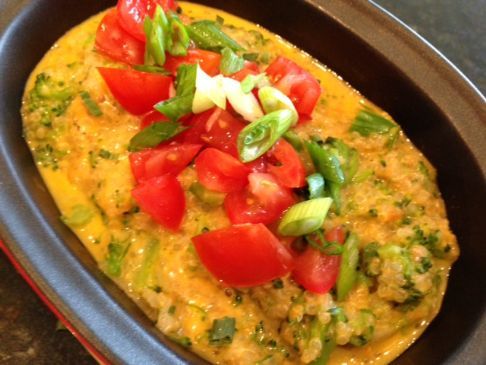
[[80, 216], [304, 217], [348, 156], [326, 162], [230, 62], [116, 253], [156, 31], [208, 35], [223, 331], [316, 185], [210, 198], [151, 69], [178, 38], [252, 81], [90, 104], [294, 139], [245, 104], [149, 258], [348, 272], [258, 137], [209, 92], [334, 191], [250, 56], [367, 122], [154, 134], [181, 104], [273, 99]]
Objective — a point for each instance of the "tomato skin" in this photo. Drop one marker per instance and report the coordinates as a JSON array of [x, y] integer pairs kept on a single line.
[[132, 13], [299, 85], [219, 171], [137, 92], [166, 159], [290, 171], [243, 255], [113, 41], [318, 272], [209, 61], [215, 127], [262, 201], [162, 197], [152, 117]]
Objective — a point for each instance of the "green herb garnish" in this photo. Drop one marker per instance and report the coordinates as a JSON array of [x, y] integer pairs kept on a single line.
[[230, 62], [90, 104], [154, 134], [223, 331], [208, 35]]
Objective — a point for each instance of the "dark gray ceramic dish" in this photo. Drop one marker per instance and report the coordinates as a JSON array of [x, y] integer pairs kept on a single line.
[[439, 110]]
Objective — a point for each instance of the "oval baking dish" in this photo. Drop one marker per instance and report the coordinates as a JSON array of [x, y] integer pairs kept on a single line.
[[442, 114]]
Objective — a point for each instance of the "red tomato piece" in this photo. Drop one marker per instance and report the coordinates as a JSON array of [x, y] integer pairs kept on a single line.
[[217, 128], [222, 132], [299, 85], [290, 170], [262, 201], [113, 41], [209, 61], [316, 271], [243, 255], [152, 117], [250, 68], [137, 92], [163, 199], [220, 171], [167, 159], [132, 14]]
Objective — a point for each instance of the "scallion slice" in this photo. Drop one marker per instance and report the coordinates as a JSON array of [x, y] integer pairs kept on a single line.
[[304, 217], [259, 136], [181, 104], [367, 122], [326, 162], [273, 99], [230, 62], [156, 31], [208, 35], [348, 270], [252, 81], [316, 185], [178, 38], [154, 134]]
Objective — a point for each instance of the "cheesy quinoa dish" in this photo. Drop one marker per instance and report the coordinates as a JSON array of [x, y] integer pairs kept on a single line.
[[254, 205]]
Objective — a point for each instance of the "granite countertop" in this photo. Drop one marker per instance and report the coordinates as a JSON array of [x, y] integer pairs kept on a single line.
[[29, 332]]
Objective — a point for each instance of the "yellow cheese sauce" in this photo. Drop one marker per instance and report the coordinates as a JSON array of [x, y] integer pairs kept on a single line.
[[392, 201]]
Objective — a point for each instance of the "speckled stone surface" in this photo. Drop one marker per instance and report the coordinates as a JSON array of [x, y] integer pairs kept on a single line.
[[28, 333]]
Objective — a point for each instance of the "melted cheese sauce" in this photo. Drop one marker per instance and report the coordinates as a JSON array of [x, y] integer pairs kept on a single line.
[[161, 271]]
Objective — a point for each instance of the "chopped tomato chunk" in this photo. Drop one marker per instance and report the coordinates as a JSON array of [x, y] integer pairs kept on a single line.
[[162, 197], [289, 170], [299, 85], [132, 14], [166, 159], [137, 92], [262, 201], [243, 255], [113, 41], [316, 271], [209, 61], [219, 171]]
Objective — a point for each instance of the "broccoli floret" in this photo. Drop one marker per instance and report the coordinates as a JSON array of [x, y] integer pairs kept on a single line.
[[401, 273], [49, 99]]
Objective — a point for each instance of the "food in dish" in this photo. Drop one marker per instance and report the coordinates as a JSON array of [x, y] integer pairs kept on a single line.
[[259, 209]]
